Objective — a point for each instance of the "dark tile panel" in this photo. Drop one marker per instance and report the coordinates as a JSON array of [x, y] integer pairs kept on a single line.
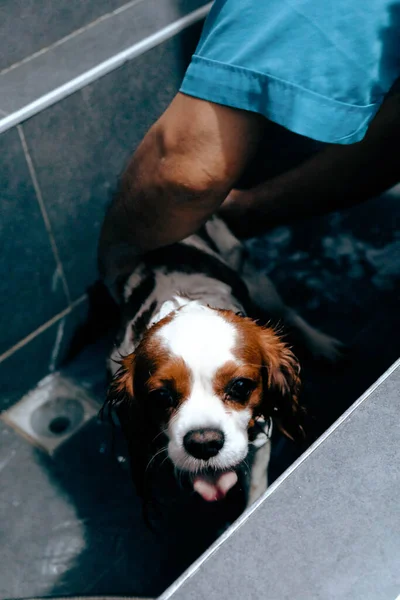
[[80, 146], [31, 290], [183, 7], [27, 26], [21, 371]]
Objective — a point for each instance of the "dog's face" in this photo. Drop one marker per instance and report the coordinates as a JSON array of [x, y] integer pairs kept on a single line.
[[202, 376]]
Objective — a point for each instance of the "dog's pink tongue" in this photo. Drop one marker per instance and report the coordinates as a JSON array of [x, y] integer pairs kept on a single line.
[[214, 487]]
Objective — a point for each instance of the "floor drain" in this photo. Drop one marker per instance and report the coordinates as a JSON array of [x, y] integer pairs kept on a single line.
[[59, 425], [57, 416], [52, 412]]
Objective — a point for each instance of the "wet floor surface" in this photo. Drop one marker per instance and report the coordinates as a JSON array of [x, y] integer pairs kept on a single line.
[[71, 523]]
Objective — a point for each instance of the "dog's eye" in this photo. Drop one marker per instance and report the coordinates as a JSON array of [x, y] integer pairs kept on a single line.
[[164, 397], [240, 389]]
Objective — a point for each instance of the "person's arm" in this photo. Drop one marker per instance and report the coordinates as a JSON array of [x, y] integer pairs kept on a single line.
[[180, 174], [338, 177]]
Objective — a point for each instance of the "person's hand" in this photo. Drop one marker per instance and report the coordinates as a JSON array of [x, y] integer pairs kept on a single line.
[[234, 210]]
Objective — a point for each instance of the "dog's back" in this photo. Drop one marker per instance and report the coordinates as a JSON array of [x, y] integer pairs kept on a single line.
[[195, 268]]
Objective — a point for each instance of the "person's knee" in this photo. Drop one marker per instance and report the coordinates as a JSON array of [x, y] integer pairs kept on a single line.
[[202, 146], [182, 165]]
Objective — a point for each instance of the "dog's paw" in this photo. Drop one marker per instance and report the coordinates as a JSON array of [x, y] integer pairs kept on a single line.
[[320, 345], [325, 347]]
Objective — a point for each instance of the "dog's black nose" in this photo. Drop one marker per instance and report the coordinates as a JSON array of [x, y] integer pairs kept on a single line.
[[204, 443]]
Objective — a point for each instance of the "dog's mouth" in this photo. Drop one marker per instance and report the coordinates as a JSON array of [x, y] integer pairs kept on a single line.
[[214, 485]]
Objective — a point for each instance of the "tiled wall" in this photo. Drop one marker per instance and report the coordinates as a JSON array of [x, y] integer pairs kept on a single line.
[[58, 171], [28, 26]]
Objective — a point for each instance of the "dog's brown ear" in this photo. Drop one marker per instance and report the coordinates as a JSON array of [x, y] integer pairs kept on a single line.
[[281, 385], [120, 391], [121, 398]]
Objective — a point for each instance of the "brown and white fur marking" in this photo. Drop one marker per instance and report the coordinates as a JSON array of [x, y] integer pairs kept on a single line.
[[199, 381]]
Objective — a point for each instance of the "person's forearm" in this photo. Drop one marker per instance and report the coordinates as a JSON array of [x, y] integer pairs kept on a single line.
[[336, 178]]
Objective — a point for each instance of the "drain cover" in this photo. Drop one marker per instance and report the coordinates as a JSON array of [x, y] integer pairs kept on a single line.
[[57, 417], [52, 412]]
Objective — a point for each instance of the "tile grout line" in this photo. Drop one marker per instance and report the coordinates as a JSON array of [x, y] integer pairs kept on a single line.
[[70, 36], [43, 210], [103, 68], [42, 328]]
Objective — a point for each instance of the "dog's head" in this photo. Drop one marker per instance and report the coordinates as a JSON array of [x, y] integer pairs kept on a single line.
[[200, 377]]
